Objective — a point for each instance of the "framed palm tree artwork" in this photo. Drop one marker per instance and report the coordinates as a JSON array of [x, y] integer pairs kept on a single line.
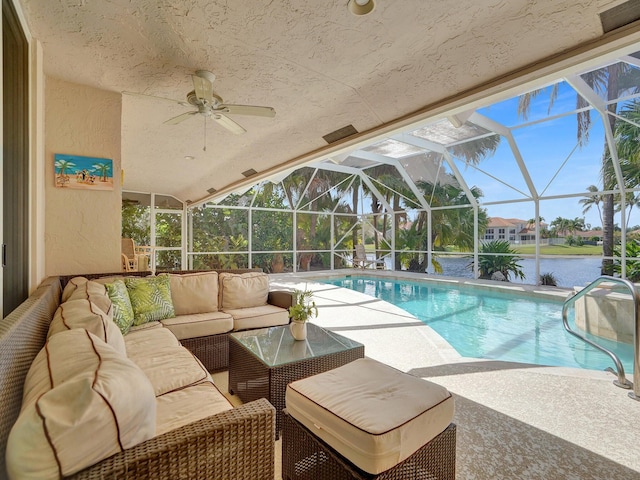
[[87, 173]]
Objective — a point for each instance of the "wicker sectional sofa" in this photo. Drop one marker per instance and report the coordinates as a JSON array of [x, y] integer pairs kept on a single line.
[[84, 401], [210, 304]]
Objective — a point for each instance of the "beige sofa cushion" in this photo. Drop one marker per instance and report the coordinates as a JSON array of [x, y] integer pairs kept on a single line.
[[84, 402], [168, 365], [258, 317], [374, 415], [79, 288], [179, 408], [243, 290], [84, 314], [199, 324], [194, 293]]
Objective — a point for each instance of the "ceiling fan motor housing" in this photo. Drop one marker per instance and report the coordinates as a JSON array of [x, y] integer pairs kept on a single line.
[[193, 99]]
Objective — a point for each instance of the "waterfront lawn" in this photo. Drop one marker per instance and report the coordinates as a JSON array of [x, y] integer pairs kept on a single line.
[[559, 249]]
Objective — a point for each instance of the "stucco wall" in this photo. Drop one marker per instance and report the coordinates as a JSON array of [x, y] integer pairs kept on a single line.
[[82, 228]]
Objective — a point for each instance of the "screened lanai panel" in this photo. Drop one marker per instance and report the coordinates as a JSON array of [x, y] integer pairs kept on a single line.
[[546, 102], [169, 229], [136, 217], [393, 148], [271, 195], [392, 186], [218, 229], [271, 230], [444, 133], [556, 160], [356, 162], [344, 194], [328, 191], [427, 167], [495, 177], [614, 81], [313, 231], [296, 184], [219, 261], [167, 202], [411, 239], [345, 230]]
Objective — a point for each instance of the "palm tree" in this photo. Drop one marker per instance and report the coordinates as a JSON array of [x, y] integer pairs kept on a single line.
[[63, 165], [628, 150], [592, 200], [103, 169], [560, 225]]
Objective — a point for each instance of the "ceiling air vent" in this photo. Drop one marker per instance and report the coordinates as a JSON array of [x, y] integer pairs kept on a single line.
[[212, 190], [339, 134], [249, 173], [620, 15]]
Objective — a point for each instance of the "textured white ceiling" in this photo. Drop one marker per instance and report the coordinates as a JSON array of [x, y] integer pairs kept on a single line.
[[320, 67]]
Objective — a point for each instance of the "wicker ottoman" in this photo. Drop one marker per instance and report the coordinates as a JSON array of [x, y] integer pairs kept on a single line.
[[367, 420]]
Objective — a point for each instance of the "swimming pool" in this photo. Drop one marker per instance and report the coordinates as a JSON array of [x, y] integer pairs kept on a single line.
[[481, 323]]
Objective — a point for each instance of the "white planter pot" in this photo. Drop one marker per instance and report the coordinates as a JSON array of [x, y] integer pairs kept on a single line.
[[298, 330]]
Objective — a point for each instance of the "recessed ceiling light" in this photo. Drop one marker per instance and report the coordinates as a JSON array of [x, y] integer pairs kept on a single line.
[[361, 7]]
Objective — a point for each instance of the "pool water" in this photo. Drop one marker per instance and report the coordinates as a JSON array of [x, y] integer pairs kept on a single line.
[[481, 323]]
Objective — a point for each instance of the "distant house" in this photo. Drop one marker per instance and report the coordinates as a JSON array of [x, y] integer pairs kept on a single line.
[[513, 230]]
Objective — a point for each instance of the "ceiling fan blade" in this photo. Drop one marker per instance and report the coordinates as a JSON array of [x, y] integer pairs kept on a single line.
[[203, 88], [229, 124], [180, 118], [146, 95], [248, 110]]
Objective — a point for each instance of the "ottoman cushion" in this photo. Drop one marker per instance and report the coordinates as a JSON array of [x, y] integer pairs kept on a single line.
[[372, 414]]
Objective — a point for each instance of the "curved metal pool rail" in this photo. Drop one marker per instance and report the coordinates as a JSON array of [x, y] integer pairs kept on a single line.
[[622, 379]]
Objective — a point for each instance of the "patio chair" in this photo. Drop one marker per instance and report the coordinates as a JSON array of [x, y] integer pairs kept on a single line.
[[128, 248], [126, 265], [360, 259]]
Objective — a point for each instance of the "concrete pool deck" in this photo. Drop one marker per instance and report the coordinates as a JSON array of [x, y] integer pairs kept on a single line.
[[514, 420]]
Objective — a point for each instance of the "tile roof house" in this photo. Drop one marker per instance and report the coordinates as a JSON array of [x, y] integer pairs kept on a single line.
[[514, 230]]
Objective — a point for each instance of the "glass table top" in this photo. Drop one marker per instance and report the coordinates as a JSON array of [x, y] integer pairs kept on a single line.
[[275, 345]]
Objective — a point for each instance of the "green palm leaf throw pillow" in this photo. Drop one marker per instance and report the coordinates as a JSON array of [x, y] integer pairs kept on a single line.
[[150, 298], [122, 309]]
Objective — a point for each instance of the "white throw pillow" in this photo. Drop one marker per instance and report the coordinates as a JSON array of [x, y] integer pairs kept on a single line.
[[83, 402]]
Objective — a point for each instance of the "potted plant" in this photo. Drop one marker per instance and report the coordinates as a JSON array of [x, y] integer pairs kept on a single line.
[[300, 312]]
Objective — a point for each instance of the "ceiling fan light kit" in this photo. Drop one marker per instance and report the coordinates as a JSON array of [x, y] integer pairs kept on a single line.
[[361, 7]]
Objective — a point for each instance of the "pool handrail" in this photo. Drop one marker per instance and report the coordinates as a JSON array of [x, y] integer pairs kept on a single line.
[[622, 379]]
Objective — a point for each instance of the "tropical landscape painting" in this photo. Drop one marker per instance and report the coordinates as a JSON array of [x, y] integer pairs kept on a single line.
[[88, 173]]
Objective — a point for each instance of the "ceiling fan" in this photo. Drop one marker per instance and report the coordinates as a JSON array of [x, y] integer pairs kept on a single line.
[[212, 106]]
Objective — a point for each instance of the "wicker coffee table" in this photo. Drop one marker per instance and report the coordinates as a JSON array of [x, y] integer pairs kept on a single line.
[[263, 362]]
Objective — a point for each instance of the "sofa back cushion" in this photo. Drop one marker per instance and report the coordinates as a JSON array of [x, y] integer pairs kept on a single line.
[[194, 293], [86, 315], [150, 298], [83, 402], [243, 290], [79, 288]]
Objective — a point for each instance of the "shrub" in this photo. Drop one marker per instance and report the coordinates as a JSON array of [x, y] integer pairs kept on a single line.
[[506, 263], [548, 279]]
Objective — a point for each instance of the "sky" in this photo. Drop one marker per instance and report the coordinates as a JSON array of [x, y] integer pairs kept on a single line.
[[556, 163]]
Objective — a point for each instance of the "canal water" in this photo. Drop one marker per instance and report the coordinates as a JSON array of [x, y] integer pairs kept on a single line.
[[568, 272]]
